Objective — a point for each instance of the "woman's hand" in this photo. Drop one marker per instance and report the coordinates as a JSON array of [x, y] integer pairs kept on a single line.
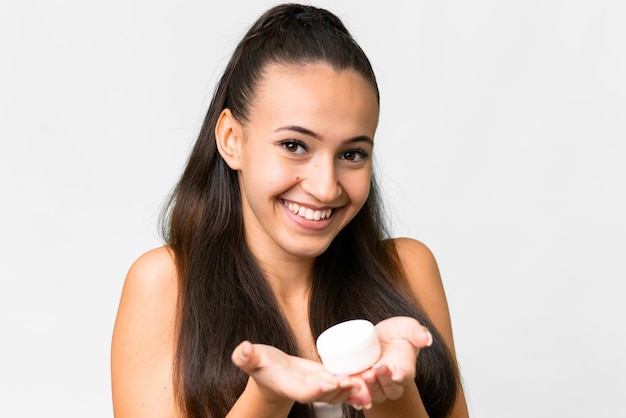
[[279, 376], [401, 339]]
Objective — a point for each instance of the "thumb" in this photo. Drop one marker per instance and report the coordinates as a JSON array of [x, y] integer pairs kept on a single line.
[[245, 357], [421, 337]]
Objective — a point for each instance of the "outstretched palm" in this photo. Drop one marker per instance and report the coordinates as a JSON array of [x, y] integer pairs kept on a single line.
[[401, 339], [281, 376]]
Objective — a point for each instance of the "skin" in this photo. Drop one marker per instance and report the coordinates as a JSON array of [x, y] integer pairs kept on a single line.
[[315, 145], [314, 128]]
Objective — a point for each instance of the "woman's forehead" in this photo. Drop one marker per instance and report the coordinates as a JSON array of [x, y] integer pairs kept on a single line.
[[314, 94]]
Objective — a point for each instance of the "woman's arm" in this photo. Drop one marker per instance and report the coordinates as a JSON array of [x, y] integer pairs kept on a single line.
[[388, 388], [423, 276], [143, 348], [252, 403], [143, 345]]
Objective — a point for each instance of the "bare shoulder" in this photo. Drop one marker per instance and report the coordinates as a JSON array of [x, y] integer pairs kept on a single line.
[[415, 256], [151, 285], [423, 277], [142, 349], [157, 265]]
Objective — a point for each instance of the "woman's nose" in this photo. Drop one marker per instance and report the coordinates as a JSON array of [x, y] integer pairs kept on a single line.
[[322, 181]]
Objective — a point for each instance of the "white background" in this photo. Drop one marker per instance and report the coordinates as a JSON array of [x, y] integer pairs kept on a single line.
[[501, 146]]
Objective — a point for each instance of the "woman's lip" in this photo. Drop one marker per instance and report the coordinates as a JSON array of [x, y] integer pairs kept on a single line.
[[325, 216], [306, 205]]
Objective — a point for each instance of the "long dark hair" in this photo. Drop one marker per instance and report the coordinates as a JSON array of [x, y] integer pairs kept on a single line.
[[224, 297]]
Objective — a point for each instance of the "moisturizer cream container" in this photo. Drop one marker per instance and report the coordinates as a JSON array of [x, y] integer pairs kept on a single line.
[[349, 347]]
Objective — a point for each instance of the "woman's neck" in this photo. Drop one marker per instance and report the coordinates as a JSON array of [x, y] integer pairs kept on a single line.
[[289, 276], [290, 280]]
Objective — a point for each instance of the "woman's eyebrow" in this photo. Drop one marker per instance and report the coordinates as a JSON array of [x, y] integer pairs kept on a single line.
[[305, 131], [300, 129]]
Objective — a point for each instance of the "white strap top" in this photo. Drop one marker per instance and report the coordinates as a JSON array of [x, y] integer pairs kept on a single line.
[[326, 410]]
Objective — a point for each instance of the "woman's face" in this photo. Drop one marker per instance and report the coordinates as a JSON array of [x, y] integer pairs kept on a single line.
[[304, 157]]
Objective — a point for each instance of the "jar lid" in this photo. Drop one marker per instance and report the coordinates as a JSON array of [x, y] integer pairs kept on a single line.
[[349, 347]]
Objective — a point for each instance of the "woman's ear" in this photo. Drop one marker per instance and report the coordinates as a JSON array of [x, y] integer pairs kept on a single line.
[[228, 138]]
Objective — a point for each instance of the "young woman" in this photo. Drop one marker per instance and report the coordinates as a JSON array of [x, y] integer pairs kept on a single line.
[[274, 233]]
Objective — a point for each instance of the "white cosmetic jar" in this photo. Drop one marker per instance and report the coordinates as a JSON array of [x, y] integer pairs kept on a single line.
[[349, 347]]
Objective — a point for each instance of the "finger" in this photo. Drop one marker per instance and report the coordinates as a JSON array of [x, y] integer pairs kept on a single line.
[[390, 388], [330, 389], [420, 337], [244, 356], [360, 397], [336, 396], [370, 378], [426, 338], [399, 362]]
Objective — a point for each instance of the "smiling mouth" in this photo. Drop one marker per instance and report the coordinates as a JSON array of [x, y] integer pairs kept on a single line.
[[308, 213]]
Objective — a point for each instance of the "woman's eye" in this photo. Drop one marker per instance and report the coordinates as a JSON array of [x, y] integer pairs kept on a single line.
[[294, 146], [356, 156]]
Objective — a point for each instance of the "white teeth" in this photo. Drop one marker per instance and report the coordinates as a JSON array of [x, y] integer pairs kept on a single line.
[[308, 213]]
